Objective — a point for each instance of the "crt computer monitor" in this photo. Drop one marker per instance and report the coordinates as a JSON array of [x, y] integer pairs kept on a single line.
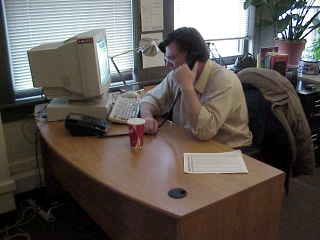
[[73, 73], [74, 69]]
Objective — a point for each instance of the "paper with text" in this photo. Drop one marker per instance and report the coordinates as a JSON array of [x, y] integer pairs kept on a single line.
[[151, 15], [227, 162]]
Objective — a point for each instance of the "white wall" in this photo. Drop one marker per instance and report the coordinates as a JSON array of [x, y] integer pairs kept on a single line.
[[7, 184], [20, 139], [262, 37]]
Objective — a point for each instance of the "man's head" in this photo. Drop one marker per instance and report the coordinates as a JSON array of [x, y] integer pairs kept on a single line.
[[184, 45]]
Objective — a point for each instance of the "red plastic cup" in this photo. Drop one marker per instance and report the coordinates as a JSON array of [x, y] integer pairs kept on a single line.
[[136, 132]]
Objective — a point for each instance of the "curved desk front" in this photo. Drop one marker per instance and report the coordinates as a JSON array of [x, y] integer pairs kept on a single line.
[[126, 192]]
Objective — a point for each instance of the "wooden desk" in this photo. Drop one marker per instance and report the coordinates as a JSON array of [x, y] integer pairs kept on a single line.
[[125, 191]]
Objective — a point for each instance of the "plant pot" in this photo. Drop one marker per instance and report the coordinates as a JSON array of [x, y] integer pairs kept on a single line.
[[294, 50]]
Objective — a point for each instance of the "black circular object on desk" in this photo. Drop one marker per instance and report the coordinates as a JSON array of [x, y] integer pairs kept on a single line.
[[177, 193]]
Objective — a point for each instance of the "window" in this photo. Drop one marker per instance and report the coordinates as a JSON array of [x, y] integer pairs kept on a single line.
[[312, 48], [223, 22], [33, 22]]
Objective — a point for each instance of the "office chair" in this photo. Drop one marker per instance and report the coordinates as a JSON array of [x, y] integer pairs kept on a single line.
[[278, 122]]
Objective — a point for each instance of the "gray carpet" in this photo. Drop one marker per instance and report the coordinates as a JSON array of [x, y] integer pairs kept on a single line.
[[300, 218]]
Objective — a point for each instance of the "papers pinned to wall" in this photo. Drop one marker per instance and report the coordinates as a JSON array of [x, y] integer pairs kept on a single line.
[[151, 15]]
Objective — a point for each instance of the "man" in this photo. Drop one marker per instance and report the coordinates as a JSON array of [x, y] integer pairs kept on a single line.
[[207, 99]]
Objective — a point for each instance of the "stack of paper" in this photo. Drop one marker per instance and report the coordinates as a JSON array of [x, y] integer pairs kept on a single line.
[[227, 162]]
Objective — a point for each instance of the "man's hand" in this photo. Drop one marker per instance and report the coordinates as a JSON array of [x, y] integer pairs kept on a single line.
[[151, 126], [147, 112], [186, 77]]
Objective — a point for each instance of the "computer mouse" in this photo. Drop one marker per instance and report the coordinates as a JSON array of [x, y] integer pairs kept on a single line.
[[130, 94]]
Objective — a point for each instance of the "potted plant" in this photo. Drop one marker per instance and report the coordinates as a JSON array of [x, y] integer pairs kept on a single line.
[[291, 20]]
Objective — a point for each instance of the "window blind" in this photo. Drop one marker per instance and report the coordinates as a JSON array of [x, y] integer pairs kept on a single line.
[[33, 22], [218, 19]]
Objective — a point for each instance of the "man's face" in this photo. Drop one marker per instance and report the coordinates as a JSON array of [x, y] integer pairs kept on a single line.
[[173, 57]]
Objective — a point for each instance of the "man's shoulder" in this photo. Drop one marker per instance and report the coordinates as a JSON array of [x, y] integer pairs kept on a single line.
[[217, 69], [221, 73]]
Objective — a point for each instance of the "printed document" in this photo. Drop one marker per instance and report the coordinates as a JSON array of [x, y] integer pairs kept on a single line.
[[151, 15], [227, 162]]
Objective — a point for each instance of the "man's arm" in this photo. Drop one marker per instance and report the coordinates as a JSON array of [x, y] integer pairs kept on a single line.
[[191, 104], [147, 112], [154, 103], [186, 78]]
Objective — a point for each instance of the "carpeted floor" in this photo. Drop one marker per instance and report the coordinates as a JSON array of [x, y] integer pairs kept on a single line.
[[69, 221], [300, 217]]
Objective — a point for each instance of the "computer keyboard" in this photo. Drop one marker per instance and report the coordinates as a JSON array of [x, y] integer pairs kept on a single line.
[[123, 109]]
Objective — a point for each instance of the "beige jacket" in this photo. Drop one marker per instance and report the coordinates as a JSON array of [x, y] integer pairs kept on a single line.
[[287, 108], [223, 115]]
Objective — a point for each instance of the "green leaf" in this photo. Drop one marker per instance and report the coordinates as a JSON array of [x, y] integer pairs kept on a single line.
[[300, 4], [282, 25], [315, 21], [316, 49], [295, 17]]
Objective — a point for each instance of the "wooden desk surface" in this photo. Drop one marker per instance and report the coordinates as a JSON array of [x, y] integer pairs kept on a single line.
[[146, 176]]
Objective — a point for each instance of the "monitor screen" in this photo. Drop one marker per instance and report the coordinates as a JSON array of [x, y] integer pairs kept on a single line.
[[75, 69], [103, 64]]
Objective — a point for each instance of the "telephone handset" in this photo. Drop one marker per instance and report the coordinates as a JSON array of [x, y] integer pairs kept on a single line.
[[192, 59]]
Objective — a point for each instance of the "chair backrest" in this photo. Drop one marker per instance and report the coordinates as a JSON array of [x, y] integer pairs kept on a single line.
[[257, 111], [269, 135]]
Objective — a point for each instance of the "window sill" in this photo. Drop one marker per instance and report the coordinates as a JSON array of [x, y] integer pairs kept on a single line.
[[22, 108]]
